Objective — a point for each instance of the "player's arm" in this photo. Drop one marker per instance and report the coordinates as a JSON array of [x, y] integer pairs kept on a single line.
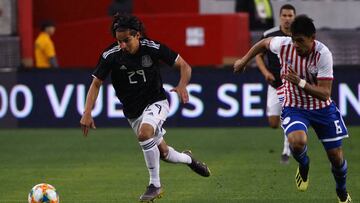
[[53, 62], [87, 121], [260, 62], [259, 47], [185, 75], [50, 53], [321, 91]]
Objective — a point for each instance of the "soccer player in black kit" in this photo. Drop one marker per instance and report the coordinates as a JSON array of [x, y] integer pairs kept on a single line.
[[271, 72], [133, 63]]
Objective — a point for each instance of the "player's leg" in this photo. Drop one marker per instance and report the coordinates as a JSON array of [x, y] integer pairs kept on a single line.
[[298, 145], [145, 127], [285, 155], [152, 157], [151, 152], [331, 129], [273, 108], [150, 135], [273, 112], [339, 171], [170, 155], [274, 121], [295, 125]]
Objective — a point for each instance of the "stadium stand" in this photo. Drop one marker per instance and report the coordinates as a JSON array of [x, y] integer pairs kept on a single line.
[[344, 45], [10, 53], [339, 31], [9, 42]]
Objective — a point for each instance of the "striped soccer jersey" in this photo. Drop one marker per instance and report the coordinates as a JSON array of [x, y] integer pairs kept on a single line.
[[318, 65]]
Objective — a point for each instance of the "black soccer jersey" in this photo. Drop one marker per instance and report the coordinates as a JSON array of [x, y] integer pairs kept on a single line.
[[273, 63], [136, 78]]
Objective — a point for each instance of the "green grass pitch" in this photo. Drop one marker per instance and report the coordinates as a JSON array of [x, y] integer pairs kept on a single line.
[[108, 166]]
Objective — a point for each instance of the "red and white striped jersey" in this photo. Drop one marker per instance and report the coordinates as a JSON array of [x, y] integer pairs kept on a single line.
[[316, 66]]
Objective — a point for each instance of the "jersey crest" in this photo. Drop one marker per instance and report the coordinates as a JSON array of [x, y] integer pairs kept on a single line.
[[146, 61], [313, 69]]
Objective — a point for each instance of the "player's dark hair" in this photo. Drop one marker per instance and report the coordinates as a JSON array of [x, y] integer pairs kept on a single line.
[[124, 22], [45, 24], [303, 25], [288, 7]]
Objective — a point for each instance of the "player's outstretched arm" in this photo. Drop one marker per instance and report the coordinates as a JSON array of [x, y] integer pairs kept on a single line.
[[260, 62], [259, 47], [87, 121], [185, 75]]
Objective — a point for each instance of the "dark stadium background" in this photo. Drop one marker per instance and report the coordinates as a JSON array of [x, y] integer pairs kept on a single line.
[[210, 35]]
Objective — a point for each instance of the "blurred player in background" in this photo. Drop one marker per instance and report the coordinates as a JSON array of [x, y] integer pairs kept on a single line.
[[260, 13], [307, 74], [271, 72], [133, 63], [45, 56]]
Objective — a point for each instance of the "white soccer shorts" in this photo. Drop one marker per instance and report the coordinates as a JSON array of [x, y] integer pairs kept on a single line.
[[273, 105], [154, 115]]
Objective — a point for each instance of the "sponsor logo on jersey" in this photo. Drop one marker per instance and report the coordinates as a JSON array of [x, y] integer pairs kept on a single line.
[[146, 61]]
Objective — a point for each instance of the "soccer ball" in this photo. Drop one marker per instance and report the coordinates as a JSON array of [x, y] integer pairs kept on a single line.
[[43, 193]]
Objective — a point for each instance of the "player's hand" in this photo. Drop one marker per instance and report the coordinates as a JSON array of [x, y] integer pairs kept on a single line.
[[292, 77], [182, 93], [239, 65], [270, 78], [86, 123]]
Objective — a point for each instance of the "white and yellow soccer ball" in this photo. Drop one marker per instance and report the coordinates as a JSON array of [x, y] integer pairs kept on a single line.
[[43, 193]]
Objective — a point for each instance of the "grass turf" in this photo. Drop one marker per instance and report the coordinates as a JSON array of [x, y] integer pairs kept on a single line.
[[108, 166]]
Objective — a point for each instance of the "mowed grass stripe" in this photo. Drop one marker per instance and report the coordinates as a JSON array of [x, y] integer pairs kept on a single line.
[[108, 166]]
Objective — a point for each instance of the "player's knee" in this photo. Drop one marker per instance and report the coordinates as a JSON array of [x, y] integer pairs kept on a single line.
[[297, 147], [142, 136], [301, 142], [274, 122], [297, 143], [297, 140], [145, 133], [336, 157]]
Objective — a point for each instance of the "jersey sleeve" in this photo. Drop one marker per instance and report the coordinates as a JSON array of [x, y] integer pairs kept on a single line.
[[167, 55], [325, 66], [262, 37], [275, 44], [102, 68]]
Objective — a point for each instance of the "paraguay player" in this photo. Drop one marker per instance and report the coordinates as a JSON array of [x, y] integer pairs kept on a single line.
[[307, 74]]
